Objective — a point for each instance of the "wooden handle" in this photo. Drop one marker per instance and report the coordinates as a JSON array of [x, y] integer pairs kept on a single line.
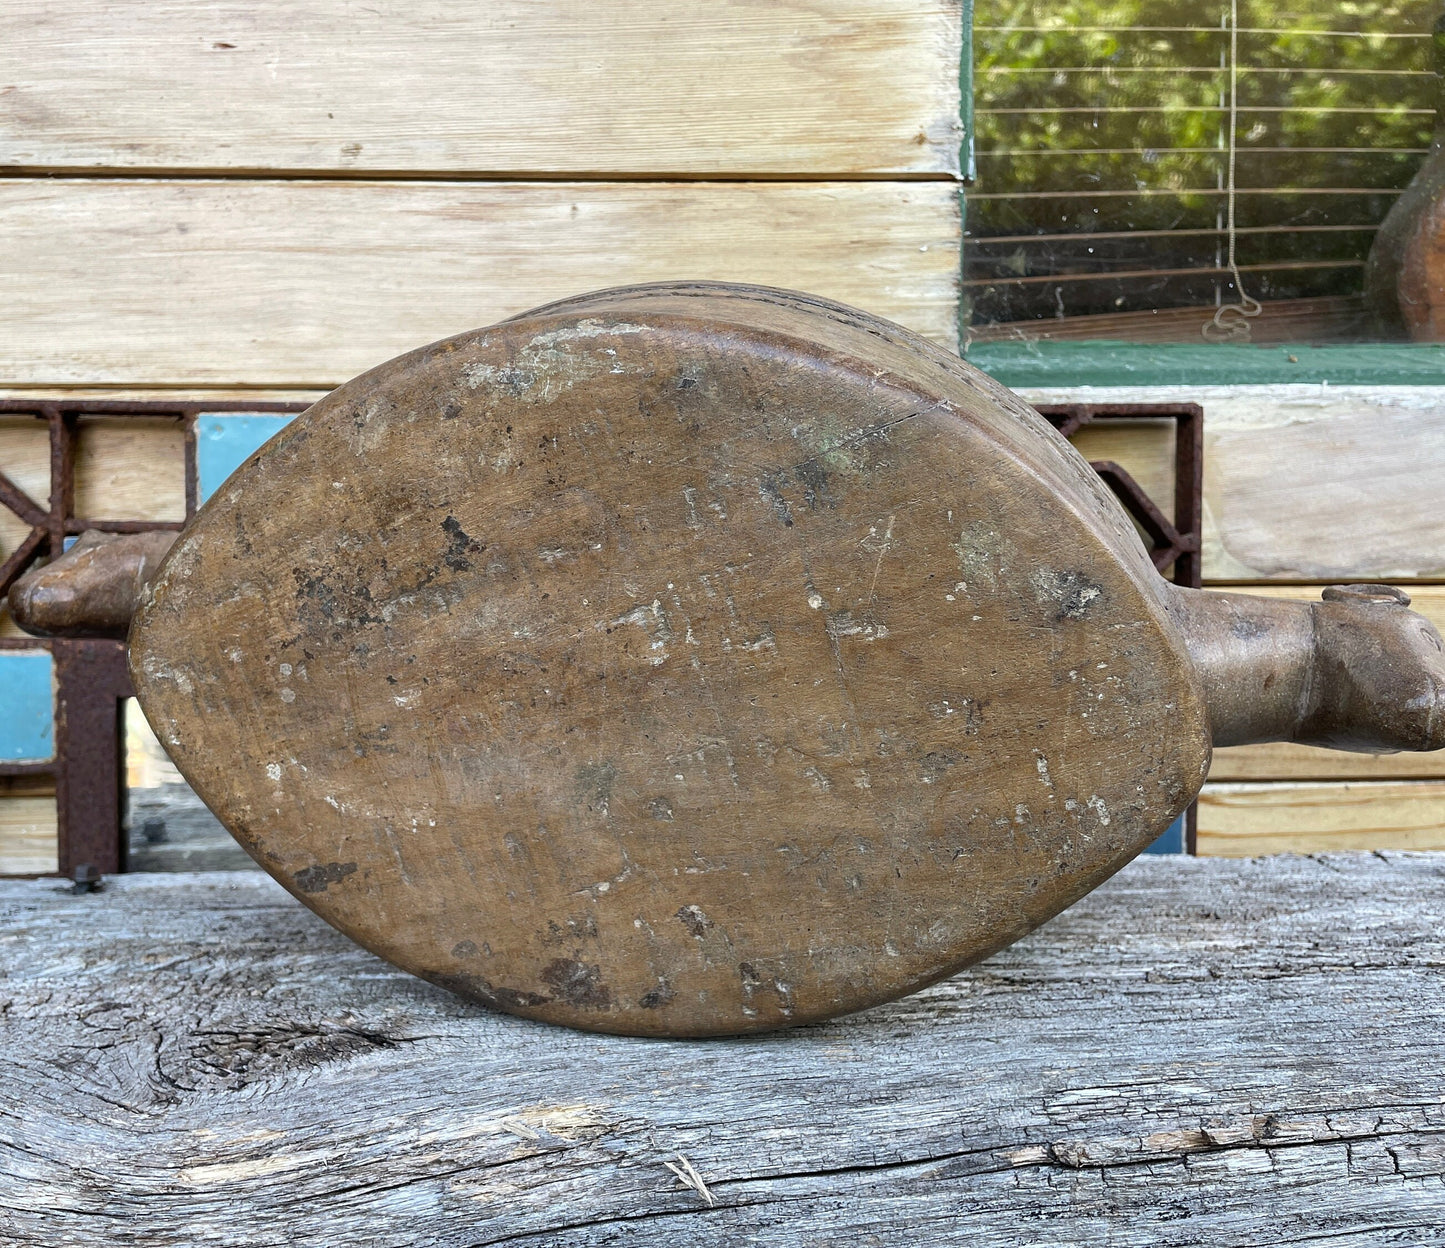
[[1355, 671], [93, 589]]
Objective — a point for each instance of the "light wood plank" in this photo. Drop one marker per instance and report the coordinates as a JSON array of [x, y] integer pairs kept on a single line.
[[1244, 820], [736, 87], [1308, 483], [1200, 1052], [28, 843], [1283, 761], [304, 284], [130, 469], [240, 396]]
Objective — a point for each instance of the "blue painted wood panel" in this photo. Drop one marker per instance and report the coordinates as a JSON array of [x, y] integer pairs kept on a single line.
[[1172, 841], [226, 440], [27, 714]]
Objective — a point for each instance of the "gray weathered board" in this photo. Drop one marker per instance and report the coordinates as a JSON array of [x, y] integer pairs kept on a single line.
[[1222, 1052]]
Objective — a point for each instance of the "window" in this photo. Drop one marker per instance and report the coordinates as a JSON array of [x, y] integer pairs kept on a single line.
[[1110, 134]]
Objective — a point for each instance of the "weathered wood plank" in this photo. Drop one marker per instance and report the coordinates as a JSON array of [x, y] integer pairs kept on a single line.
[[241, 395], [1307, 483], [1244, 820], [560, 86], [303, 284], [1201, 1051], [1285, 761]]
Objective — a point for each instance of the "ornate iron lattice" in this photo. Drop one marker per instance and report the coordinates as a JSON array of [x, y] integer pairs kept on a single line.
[[88, 765], [1177, 544]]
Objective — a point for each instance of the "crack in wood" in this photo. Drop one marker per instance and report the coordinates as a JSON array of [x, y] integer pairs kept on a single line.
[[1093, 1080]]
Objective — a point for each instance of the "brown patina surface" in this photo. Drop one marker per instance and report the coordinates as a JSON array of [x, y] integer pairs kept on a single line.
[[93, 589], [675, 660]]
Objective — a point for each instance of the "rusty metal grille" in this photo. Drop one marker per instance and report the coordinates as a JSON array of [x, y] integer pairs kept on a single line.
[[1176, 544], [88, 766]]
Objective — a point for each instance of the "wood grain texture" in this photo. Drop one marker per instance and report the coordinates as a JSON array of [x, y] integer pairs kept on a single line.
[[545, 87], [240, 395], [1242, 820], [1200, 1052], [304, 284], [1284, 760], [28, 843], [1287, 761], [1309, 483], [130, 469]]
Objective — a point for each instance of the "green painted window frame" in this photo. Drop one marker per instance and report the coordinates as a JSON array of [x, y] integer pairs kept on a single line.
[[1091, 362]]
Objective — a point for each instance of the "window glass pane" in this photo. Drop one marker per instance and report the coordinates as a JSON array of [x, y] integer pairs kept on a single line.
[[1106, 133]]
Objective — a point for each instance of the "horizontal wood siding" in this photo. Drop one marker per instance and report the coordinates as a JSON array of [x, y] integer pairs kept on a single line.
[[509, 87], [1244, 820], [305, 283], [27, 833], [217, 202]]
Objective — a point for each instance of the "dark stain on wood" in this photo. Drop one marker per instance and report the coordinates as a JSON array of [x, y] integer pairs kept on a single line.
[[577, 984], [318, 878]]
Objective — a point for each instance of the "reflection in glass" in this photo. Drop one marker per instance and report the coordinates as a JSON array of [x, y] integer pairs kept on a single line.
[[1104, 137]]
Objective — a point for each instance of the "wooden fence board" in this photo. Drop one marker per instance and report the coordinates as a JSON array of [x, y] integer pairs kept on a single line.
[[130, 469], [28, 844], [1200, 1052], [295, 284], [1242, 820], [1284, 761], [1307, 483], [510, 87]]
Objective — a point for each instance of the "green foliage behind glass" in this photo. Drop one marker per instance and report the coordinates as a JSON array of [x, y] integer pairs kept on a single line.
[[1111, 116]]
